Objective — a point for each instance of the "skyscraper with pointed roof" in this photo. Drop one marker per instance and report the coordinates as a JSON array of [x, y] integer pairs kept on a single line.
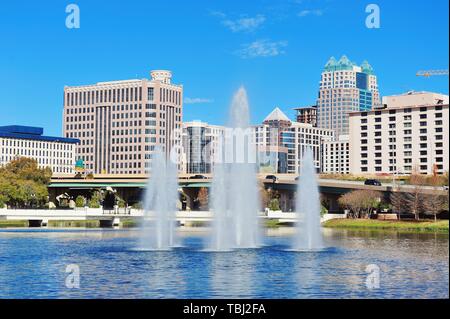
[[281, 143], [345, 87]]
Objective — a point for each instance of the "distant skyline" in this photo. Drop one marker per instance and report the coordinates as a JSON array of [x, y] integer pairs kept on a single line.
[[276, 49]]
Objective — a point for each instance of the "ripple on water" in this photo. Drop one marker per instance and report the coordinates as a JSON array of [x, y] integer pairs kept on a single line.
[[33, 266]]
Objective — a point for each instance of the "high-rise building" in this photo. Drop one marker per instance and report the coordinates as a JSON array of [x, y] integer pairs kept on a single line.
[[119, 123], [281, 143], [58, 153], [406, 136], [307, 115], [201, 147], [345, 87]]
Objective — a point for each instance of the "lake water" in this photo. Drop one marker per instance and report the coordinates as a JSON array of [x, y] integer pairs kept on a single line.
[[33, 265]]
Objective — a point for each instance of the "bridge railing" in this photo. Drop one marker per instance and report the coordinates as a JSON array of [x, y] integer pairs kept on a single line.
[[118, 211]]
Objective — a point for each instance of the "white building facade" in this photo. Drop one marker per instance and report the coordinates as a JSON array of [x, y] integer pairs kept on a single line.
[[58, 153], [281, 143], [400, 139], [336, 156]]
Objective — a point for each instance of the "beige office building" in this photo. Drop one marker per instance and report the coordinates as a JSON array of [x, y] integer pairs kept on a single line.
[[407, 135], [119, 123]]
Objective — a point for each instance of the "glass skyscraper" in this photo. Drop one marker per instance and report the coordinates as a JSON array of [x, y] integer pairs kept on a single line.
[[345, 87]]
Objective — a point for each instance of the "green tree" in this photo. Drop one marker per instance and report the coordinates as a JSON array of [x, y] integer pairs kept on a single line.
[[95, 200], [24, 184], [274, 204], [80, 201], [323, 210], [121, 203]]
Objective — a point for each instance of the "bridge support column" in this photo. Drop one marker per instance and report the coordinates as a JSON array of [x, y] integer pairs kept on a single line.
[[116, 222], [286, 201]]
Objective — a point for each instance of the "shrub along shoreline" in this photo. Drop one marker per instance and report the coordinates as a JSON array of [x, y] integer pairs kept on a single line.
[[371, 224]]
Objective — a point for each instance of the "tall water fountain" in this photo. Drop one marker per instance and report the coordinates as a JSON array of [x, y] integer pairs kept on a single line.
[[308, 236], [160, 197], [234, 189]]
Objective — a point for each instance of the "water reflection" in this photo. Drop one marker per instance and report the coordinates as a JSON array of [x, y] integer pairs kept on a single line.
[[33, 263], [232, 274]]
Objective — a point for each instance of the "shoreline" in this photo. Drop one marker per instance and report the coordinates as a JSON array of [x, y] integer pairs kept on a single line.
[[425, 226]]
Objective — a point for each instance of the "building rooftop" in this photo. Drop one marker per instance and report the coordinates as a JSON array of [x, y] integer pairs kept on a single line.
[[415, 93], [277, 115], [163, 76], [387, 109], [308, 107], [345, 64], [414, 98], [31, 133]]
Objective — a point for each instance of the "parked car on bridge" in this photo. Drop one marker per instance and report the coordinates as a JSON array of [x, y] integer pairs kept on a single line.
[[198, 177], [373, 182], [272, 177]]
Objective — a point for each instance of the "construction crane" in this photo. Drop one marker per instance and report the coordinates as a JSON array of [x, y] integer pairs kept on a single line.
[[429, 73]]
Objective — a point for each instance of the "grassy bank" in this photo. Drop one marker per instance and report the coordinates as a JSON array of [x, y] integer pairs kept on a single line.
[[129, 223], [13, 223], [421, 226], [74, 223]]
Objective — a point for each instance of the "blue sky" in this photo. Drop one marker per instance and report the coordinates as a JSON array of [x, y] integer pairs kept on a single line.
[[276, 49]]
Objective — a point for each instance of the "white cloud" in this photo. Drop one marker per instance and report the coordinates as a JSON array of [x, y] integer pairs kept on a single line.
[[197, 100], [245, 24], [218, 14], [262, 48], [305, 13]]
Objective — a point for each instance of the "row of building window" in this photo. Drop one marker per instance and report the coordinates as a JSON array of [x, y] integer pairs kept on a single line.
[[129, 94]]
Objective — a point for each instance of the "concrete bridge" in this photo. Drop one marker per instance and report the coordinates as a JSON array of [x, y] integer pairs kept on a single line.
[[283, 181], [111, 218], [129, 187]]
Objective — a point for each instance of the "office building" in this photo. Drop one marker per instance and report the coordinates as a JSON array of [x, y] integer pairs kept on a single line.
[[408, 135], [336, 156], [307, 115], [345, 87], [119, 123], [201, 147], [281, 143], [58, 153]]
